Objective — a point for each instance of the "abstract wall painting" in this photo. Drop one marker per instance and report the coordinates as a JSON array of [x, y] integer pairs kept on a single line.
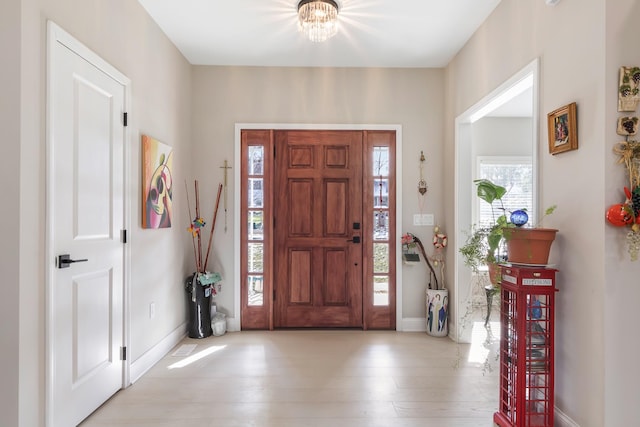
[[157, 183]]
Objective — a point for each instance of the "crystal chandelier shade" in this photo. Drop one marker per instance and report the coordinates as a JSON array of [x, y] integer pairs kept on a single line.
[[318, 19]]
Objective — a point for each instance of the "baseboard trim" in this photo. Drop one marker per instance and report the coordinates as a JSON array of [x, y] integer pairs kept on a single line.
[[410, 324], [145, 362], [414, 324], [563, 420]]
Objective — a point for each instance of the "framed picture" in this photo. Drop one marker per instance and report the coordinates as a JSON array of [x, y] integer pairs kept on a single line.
[[563, 129], [157, 183]]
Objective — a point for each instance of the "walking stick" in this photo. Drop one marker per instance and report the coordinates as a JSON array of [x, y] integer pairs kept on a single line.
[[213, 225]]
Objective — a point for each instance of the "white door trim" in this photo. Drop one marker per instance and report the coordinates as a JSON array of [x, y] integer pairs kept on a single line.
[[233, 324], [56, 35]]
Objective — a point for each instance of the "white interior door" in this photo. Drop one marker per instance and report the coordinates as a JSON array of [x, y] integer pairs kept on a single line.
[[85, 217]]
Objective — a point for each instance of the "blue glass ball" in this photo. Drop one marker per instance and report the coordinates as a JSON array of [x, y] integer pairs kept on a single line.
[[519, 218]]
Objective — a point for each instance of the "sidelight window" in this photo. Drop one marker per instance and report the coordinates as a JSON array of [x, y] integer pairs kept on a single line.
[[380, 203], [255, 226]]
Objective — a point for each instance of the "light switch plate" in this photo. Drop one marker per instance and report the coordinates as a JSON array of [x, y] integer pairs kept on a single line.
[[423, 219]]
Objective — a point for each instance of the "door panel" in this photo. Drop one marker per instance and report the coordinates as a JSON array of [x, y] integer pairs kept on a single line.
[[300, 207], [335, 291], [85, 218], [318, 274], [335, 212], [300, 277]]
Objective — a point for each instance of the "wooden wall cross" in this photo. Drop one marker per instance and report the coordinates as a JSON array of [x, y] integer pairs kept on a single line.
[[226, 167]]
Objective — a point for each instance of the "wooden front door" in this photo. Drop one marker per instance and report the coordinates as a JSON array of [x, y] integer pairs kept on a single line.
[[318, 229]]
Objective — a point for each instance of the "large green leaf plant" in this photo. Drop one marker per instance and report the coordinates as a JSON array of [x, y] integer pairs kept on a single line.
[[483, 243]]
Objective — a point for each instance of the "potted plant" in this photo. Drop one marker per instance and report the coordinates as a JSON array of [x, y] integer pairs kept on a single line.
[[484, 245], [530, 245], [504, 239]]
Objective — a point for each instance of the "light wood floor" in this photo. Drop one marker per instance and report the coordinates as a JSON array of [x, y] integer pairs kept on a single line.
[[315, 378]]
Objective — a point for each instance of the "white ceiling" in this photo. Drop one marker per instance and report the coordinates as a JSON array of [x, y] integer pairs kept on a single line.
[[372, 33]]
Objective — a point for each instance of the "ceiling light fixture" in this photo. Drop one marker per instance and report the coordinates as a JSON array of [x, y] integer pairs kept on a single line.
[[318, 19]]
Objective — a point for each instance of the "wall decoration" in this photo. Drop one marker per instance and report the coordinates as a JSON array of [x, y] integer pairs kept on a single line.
[[157, 183], [422, 184], [627, 214], [629, 88], [627, 126], [226, 167], [563, 129]]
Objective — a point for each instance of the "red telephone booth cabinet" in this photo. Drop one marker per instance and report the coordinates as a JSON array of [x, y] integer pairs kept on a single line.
[[526, 347]]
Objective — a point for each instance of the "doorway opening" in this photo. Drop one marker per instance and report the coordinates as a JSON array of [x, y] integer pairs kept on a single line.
[[316, 231], [499, 132]]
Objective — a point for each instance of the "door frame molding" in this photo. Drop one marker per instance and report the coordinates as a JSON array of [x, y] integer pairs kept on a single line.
[[56, 35], [233, 323]]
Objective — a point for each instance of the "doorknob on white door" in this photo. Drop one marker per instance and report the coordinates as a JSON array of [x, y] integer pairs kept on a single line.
[[65, 260]]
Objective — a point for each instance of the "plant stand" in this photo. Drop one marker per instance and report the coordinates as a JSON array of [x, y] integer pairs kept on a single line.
[[490, 291]]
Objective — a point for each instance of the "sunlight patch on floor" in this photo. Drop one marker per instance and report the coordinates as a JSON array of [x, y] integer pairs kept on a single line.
[[485, 342]]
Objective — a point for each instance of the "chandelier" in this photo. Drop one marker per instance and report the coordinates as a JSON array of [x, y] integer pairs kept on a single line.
[[318, 19]]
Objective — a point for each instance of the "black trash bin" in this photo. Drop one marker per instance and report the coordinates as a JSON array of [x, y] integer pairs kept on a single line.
[[199, 309]]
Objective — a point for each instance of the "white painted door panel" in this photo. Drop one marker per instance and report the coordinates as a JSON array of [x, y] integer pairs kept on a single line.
[[86, 216]]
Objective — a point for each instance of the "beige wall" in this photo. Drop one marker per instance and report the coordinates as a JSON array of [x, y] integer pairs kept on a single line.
[[569, 39], [412, 98], [10, 216], [121, 32], [502, 136], [622, 372]]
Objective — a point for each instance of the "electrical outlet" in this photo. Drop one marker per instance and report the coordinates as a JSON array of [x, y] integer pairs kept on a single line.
[[152, 310]]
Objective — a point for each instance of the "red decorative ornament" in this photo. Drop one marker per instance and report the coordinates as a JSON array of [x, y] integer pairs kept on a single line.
[[620, 215]]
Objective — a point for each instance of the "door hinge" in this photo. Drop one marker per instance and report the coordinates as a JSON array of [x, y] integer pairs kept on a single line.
[[124, 236], [123, 353], [125, 119], [274, 151]]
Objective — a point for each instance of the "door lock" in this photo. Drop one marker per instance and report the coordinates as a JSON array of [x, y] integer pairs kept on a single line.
[[356, 239], [65, 260]]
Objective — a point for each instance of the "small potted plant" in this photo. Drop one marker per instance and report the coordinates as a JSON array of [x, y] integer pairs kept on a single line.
[[484, 245], [530, 245], [505, 238]]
